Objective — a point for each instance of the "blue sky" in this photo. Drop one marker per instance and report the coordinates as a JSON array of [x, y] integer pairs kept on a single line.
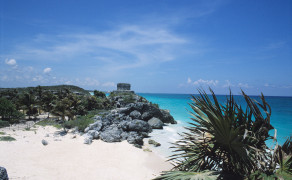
[[156, 45]]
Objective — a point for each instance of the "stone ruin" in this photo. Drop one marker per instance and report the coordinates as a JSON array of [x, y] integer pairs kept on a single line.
[[123, 87]]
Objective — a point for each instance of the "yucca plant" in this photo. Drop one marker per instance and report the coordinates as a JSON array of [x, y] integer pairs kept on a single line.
[[279, 164], [223, 137], [283, 157]]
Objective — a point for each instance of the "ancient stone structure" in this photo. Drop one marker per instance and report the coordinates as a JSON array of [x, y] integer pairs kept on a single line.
[[123, 87]]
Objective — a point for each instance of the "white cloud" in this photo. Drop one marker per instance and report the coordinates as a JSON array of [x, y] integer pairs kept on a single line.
[[243, 85], [189, 80], [37, 78], [87, 82], [125, 47], [227, 84], [68, 82], [4, 78], [47, 70], [10, 62], [206, 82], [108, 84]]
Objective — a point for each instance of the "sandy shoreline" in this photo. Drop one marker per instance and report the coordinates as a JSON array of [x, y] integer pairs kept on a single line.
[[66, 157]]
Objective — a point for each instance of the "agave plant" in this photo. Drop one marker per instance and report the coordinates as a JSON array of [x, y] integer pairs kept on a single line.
[[223, 137], [279, 164], [283, 157]]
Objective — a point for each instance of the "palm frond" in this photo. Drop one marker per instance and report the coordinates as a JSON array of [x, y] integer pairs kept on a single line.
[[183, 175], [224, 137]]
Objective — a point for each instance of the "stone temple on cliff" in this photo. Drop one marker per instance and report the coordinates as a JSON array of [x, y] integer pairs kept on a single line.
[[123, 87]]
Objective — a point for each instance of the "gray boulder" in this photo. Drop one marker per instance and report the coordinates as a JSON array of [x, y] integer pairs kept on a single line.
[[125, 110], [136, 125], [86, 129], [166, 117], [146, 116], [96, 118], [139, 106], [152, 110], [93, 133], [107, 121], [44, 142], [3, 174], [111, 134], [135, 114], [96, 126], [155, 123], [135, 138], [87, 139], [124, 135], [154, 143]]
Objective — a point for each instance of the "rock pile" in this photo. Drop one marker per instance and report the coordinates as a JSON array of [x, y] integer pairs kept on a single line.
[[3, 174], [132, 122]]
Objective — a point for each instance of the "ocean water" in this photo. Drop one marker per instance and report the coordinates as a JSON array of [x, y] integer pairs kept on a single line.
[[177, 104]]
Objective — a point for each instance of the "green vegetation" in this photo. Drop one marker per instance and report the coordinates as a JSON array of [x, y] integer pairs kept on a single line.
[[81, 122], [155, 105], [66, 102], [48, 122], [8, 111], [2, 133], [115, 93], [27, 129], [57, 88], [230, 141], [129, 98], [4, 124], [7, 138], [99, 94], [28, 101]]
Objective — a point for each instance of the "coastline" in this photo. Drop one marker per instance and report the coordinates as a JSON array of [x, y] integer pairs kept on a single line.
[[66, 157]]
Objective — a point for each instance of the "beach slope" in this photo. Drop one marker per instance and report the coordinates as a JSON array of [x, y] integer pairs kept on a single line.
[[66, 157]]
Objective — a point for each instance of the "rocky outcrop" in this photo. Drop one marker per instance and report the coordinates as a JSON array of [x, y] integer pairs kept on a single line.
[[154, 143], [132, 121], [155, 123], [3, 174], [44, 142]]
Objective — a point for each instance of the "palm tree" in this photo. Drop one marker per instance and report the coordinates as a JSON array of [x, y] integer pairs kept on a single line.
[[38, 91], [222, 138], [47, 101], [28, 100]]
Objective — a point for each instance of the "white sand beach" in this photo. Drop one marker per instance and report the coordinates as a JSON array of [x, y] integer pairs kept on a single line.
[[66, 157]]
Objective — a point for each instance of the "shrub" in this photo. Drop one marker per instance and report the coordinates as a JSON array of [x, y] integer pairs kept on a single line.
[[48, 122], [8, 111], [223, 137], [4, 123], [129, 98], [99, 94], [155, 105], [7, 138], [80, 122]]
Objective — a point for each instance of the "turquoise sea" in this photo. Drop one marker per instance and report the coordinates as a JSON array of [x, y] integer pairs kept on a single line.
[[177, 104]]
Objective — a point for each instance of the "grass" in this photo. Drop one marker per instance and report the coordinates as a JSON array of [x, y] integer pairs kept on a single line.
[[48, 122], [81, 122], [2, 133], [7, 138], [100, 112], [27, 128], [4, 123], [147, 150]]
